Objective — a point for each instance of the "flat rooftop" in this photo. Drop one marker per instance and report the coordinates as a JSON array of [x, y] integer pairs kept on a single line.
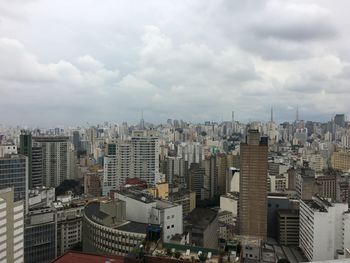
[[73, 257]]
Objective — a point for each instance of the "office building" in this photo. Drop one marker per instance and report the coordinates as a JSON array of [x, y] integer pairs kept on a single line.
[[253, 186], [69, 225], [40, 236], [340, 160], [13, 174], [11, 227], [288, 227], [339, 120], [145, 156], [323, 228], [56, 158]]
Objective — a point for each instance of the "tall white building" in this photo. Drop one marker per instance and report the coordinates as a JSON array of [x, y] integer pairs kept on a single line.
[[11, 228], [145, 156], [324, 228], [56, 158]]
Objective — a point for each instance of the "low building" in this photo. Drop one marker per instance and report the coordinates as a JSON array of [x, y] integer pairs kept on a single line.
[[143, 208], [202, 224], [185, 198], [106, 230]]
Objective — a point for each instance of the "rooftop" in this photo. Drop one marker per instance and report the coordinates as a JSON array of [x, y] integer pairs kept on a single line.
[[73, 257], [201, 217]]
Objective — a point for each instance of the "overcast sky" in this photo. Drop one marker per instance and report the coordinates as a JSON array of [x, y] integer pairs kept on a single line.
[[77, 61]]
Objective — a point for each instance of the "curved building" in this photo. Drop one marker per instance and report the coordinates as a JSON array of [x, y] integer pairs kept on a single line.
[[107, 232]]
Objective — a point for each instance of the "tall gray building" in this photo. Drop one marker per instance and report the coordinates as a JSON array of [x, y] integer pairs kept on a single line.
[[55, 158]]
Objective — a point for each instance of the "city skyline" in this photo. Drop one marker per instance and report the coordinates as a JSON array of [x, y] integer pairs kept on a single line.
[[84, 62]]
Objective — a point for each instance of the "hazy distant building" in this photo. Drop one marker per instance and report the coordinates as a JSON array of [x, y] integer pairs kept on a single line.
[[339, 120], [253, 186], [11, 228], [56, 158]]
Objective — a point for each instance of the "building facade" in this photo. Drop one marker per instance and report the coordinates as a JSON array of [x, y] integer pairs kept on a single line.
[[11, 228], [55, 158], [253, 186]]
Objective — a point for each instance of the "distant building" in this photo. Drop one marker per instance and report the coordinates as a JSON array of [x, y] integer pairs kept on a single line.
[[339, 120], [11, 227], [341, 160], [56, 158], [253, 186]]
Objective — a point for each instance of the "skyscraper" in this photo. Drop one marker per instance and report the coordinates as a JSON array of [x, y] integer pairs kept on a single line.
[[56, 159], [253, 182], [145, 156]]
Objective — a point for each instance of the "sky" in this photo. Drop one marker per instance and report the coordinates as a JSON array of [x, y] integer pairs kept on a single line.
[[89, 61]]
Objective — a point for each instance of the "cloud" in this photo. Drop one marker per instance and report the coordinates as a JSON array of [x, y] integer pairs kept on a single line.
[[294, 22], [190, 60]]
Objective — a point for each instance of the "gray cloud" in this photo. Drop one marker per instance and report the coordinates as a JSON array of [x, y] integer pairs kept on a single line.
[[108, 61]]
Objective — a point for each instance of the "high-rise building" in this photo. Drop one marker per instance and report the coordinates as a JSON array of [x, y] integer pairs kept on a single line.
[[110, 169], [253, 186], [36, 168], [339, 120], [11, 227], [25, 148], [56, 158], [145, 156], [76, 140], [13, 173]]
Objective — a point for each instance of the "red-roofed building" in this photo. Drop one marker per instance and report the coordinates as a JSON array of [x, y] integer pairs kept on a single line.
[[80, 257]]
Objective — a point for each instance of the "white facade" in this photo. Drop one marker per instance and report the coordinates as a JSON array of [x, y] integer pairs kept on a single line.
[[229, 202], [322, 228], [145, 156], [7, 149], [143, 209], [11, 228], [109, 174]]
